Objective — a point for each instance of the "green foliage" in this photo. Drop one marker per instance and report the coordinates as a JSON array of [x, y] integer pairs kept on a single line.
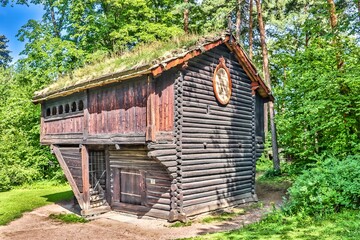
[[15, 202], [68, 218], [5, 57], [344, 225], [319, 107], [330, 187]]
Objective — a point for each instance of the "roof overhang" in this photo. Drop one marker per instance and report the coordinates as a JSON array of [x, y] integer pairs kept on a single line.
[[156, 70]]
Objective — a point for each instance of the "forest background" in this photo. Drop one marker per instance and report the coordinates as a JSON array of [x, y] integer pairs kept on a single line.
[[314, 54]]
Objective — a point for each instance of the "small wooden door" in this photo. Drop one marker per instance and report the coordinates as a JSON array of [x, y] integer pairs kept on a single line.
[[132, 186]]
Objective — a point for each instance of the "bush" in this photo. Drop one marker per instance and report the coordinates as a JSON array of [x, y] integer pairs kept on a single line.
[[327, 188]]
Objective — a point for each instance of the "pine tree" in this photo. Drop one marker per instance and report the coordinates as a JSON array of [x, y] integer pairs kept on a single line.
[[5, 57]]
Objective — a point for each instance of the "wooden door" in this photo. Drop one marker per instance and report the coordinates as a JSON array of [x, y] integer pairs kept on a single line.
[[132, 186]]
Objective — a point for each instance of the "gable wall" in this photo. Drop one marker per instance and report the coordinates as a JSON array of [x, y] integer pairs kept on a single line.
[[217, 154]]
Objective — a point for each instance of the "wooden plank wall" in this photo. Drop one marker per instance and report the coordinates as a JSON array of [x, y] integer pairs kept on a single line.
[[121, 108], [157, 201], [164, 101], [72, 158], [217, 164], [73, 124]]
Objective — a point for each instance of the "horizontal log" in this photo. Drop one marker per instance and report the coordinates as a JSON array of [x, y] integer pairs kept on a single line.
[[219, 203], [211, 122], [208, 150], [214, 106], [157, 153], [214, 114], [229, 196], [233, 100], [217, 175], [228, 190], [214, 141], [210, 137], [207, 167], [153, 146], [202, 128], [215, 171], [215, 156], [240, 161], [203, 186], [188, 148], [236, 94]]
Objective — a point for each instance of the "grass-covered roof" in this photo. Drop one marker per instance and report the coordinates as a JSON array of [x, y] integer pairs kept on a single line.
[[143, 59], [140, 59]]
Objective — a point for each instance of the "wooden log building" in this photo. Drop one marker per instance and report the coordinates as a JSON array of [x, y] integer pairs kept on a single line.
[[167, 139]]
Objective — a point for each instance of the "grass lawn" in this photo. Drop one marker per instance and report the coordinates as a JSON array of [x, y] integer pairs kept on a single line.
[[345, 225], [26, 198]]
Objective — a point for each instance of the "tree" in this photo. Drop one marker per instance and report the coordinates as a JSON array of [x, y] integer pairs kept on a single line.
[[186, 17], [5, 57], [250, 29], [268, 81]]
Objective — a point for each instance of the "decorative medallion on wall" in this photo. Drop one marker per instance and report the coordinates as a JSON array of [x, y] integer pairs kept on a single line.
[[222, 83]]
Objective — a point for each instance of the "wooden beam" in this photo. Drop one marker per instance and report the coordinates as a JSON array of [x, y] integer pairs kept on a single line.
[[86, 116], [85, 176], [150, 112], [68, 175], [108, 183]]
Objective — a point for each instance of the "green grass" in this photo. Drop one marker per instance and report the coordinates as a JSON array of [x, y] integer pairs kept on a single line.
[[181, 224], [344, 225], [68, 218], [223, 216], [15, 202]]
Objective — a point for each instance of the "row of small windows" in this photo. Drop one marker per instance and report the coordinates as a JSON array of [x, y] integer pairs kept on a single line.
[[61, 109]]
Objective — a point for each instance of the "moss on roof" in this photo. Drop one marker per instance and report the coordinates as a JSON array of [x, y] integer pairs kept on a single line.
[[143, 56]]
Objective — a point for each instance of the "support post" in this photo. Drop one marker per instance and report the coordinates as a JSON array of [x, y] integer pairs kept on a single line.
[[150, 111], [85, 176]]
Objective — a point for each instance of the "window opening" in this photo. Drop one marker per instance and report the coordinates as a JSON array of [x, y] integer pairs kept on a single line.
[[81, 105], [73, 107], [54, 111], [61, 109], [67, 108]]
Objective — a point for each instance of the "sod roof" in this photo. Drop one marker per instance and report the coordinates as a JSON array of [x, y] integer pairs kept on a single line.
[[151, 58]]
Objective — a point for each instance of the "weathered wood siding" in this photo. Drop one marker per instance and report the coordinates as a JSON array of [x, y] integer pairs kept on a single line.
[[157, 181], [217, 158], [117, 110], [164, 101], [72, 158], [71, 124]]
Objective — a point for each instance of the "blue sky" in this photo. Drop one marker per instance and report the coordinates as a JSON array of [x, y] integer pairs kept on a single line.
[[11, 20]]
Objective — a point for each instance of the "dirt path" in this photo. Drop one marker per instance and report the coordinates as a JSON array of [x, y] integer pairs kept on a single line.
[[38, 225]]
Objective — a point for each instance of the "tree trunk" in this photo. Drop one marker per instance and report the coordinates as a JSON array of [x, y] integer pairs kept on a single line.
[[251, 30], [186, 17], [238, 20], [333, 17], [276, 161], [358, 6], [53, 20]]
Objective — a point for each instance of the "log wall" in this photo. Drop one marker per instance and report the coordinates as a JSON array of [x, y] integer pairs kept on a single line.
[[157, 181], [217, 141]]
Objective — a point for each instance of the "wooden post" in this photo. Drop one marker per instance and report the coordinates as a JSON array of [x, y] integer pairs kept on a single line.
[[108, 183], [150, 111], [86, 116], [85, 176], [42, 122]]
